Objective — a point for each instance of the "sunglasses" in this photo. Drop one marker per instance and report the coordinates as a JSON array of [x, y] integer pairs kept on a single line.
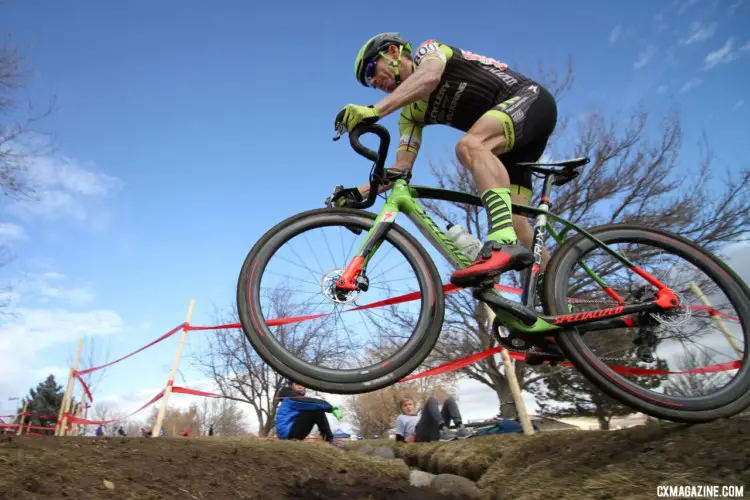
[[370, 71]]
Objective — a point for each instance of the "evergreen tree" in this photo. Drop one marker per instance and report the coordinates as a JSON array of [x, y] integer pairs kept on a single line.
[[566, 393], [45, 402]]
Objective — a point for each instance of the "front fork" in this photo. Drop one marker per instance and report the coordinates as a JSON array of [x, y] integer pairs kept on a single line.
[[350, 278]]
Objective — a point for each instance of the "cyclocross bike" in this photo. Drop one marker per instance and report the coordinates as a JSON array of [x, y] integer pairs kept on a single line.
[[572, 293]]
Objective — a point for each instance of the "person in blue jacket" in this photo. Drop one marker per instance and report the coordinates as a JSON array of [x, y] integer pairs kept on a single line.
[[297, 414]]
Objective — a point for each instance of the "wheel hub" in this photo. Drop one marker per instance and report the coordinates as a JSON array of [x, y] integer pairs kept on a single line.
[[332, 292]]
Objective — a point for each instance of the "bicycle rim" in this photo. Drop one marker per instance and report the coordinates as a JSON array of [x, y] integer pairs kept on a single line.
[[346, 372], [708, 379]]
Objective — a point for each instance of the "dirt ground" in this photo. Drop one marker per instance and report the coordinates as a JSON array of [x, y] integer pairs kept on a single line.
[[626, 463], [202, 468], [585, 465]]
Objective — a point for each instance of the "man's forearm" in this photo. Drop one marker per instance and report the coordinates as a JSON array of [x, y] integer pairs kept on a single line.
[[412, 89]]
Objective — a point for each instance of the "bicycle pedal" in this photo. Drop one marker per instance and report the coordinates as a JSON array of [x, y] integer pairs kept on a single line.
[[526, 315]]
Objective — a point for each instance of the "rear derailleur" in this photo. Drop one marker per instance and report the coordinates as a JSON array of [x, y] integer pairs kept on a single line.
[[645, 339]]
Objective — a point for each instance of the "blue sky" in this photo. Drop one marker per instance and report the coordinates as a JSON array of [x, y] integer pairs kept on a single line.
[[186, 130]]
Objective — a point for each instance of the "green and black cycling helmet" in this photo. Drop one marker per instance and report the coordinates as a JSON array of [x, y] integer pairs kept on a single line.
[[364, 64]]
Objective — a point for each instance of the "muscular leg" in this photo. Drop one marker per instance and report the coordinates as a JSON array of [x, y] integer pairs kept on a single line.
[[475, 152], [478, 151]]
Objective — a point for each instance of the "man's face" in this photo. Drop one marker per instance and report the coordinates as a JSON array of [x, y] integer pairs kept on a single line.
[[297, 387], [408, 408], [383, 77]]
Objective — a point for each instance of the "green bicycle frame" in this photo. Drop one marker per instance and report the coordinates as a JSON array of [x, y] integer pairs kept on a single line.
[[403, 198], [520, 318]]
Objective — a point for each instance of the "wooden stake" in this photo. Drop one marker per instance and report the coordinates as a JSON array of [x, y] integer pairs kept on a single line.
[[515, 389], [67, 403], [168, 389], [79, 412], [58, 425], [510, 374], [23, 417], [66, 394], [717, 319]]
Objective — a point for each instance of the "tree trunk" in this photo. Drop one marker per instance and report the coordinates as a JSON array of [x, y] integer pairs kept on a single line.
[[262, 431], [265, 429], [603, 422]]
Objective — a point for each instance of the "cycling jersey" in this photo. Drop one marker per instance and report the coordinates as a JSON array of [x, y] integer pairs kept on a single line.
[[472, 86]]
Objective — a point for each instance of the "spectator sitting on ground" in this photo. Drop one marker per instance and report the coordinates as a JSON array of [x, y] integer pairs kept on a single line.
[[297, 414], [433, 423]]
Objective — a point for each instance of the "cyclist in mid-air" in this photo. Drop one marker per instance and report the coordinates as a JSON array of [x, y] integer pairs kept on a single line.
[[508, 118]]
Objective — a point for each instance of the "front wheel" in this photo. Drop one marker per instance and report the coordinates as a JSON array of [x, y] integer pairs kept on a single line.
[[331, 340], [687, 366]]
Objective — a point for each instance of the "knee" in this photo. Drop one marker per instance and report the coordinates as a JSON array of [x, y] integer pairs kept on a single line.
[[468, 148], [432, 401]]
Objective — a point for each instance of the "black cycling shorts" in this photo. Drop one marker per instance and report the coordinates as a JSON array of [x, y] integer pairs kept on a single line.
[[529, 118]]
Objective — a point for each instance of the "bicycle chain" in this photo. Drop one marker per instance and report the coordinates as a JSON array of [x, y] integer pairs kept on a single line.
[[577, 301], [540, 353]]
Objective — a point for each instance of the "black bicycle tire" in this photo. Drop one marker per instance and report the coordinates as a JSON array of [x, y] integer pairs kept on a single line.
[[571, 343], [317, 378]]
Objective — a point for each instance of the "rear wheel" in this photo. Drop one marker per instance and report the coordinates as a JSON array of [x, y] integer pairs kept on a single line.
[[308, 331], [707, 380]]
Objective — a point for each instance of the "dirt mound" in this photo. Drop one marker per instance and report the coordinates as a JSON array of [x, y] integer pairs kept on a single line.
[[204, 468], [627, 463]]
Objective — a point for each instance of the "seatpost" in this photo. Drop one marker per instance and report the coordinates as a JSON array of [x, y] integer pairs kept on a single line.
[[531, 275], [549, 179]]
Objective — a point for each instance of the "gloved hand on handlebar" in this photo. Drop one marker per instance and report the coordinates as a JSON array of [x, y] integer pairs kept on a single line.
[[343, 197], [352, 115]]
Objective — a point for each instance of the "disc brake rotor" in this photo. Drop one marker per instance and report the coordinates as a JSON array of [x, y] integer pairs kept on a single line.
[[329, 290], [677, 317]]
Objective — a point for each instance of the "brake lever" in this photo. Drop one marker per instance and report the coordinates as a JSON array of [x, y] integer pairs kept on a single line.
[[329, 201], [339, 132]]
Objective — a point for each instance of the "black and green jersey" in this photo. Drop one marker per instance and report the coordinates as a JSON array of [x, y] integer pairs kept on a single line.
[[470, 86]]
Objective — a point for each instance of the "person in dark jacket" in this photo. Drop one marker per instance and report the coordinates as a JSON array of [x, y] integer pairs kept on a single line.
[[297, 414]]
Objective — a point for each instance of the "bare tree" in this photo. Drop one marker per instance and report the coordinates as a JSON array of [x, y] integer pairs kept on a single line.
[[19, 139], [692, 385], [176, 421], [239, 371], [373, 414], [636, 175], [96, 352], [108, 410], [6, 290], [223, 415]]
